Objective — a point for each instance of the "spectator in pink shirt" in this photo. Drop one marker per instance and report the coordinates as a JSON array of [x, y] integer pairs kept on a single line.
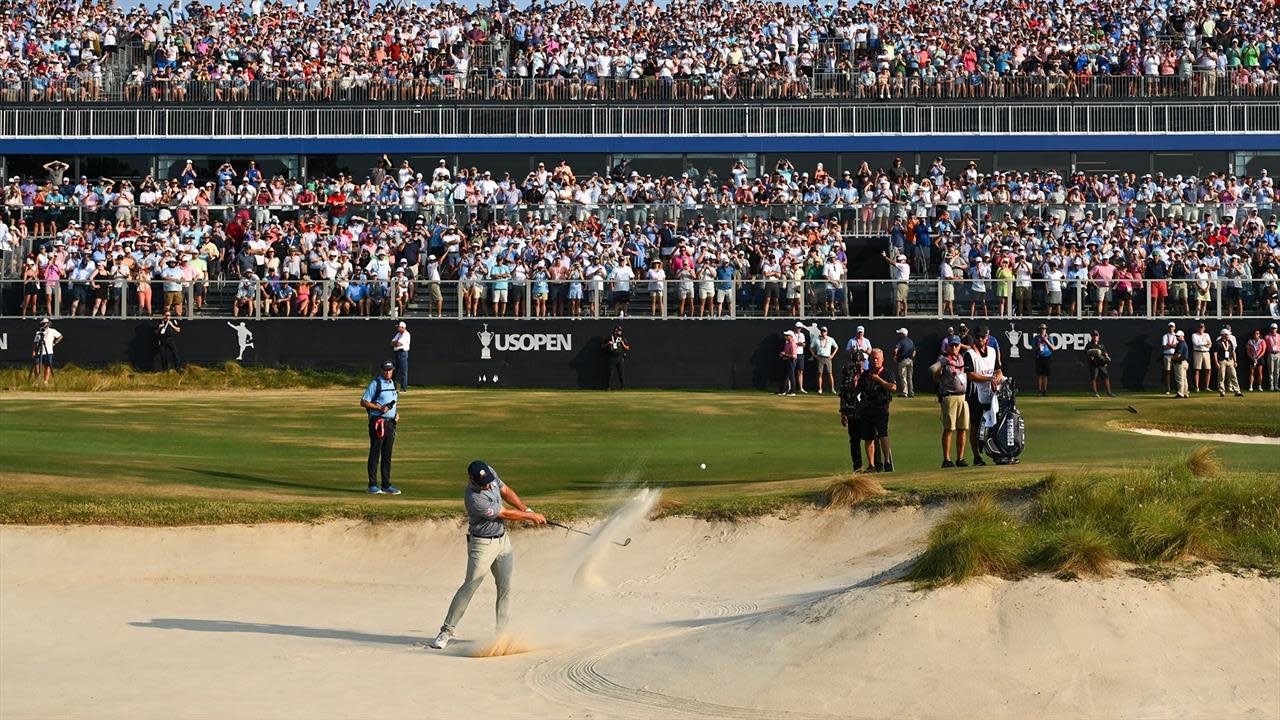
[[1102, 274]]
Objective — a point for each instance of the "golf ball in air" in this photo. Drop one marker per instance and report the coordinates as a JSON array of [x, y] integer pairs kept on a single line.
[[702, 466]]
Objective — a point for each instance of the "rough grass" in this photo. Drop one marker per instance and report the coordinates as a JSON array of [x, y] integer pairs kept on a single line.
[[230, 375], [979, 538], [851, 491], [1178, 512]]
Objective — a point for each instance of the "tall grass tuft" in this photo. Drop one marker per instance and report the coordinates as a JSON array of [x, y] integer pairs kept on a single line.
[[978, 538], [851, 491], [1203, 462], [1082, 525]]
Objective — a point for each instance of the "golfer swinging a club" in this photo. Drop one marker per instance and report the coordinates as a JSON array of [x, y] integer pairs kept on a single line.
[[488, 547]]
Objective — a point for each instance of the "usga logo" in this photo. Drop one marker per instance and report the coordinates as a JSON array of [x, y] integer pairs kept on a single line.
[[507, 342], [1062, 341]]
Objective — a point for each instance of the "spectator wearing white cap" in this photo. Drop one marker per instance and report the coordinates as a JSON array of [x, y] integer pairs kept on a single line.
[[1224, 355], [400, 355], [859, 344], [904, 354], [825, 348], [802, 345], [901, 270], [1168, 346]]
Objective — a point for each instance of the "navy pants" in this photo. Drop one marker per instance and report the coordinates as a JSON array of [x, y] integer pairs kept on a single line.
[[382, 441], [401, 360]]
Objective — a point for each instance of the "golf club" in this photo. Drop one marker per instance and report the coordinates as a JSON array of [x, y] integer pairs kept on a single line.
[[624, 543]]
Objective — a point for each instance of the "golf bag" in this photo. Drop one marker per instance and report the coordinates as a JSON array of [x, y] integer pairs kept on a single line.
[[1004, 437]]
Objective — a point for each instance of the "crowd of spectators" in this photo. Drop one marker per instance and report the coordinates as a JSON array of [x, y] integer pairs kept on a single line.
[[723, 244], [61, 50]]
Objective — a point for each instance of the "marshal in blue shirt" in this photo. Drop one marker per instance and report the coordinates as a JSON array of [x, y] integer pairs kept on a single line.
[[381, 391]]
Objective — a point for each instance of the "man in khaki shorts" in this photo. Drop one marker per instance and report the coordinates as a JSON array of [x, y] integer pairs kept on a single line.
[[953, 381]]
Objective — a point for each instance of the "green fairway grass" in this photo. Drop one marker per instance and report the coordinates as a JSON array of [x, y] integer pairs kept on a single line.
[[177, 455]]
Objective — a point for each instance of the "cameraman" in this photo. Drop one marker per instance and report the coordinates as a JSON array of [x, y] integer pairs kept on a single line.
[[876, 389], [1096, 353], [379, 400], [165, 332], [617, 347], [850, 406], [42, 351]]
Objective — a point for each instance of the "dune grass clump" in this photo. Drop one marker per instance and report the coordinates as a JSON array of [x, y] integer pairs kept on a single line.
[[851, 491], [1182, 510], [978, 538]]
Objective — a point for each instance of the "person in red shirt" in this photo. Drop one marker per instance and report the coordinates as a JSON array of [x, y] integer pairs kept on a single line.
[[337, 204]]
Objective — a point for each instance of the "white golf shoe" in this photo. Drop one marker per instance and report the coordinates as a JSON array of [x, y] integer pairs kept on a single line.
[[442, 640]]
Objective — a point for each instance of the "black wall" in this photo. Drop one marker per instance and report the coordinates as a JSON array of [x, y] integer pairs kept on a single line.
[[665, 353]]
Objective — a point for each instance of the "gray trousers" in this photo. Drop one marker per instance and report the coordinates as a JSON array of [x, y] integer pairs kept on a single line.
[[906, 377], [1227, 380], [1273, 370], [483, 555]]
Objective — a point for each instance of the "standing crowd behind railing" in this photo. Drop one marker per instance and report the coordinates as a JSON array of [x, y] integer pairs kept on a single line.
[[985, 235], [612, 51]]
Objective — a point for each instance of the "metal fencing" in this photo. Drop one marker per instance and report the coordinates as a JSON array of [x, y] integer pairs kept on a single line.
[[491, 81], [699, 297], [588, 118]]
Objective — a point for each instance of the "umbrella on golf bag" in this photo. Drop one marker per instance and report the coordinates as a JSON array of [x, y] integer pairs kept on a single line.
[[1004, 434]]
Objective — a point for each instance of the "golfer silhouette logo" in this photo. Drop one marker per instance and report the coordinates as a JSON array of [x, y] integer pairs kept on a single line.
[[486, 338], [244, 336], [1014, 336]]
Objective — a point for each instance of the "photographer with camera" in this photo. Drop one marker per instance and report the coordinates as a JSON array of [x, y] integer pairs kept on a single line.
[[1099, 359], [42, 351], [850, 406], [617, 347], [165, 332], [379, 400], [875, 391]]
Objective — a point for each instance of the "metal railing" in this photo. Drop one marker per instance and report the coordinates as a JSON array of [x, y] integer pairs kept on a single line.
[[606, 295], [587, 118], [492, 81], [862, 218]]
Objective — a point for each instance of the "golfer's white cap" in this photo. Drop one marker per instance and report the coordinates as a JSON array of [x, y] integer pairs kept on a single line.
[[902, 331]]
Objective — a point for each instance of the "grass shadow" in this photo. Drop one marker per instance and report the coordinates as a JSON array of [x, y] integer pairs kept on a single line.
[[259, 480]]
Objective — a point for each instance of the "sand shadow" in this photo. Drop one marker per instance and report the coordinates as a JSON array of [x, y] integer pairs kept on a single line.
[[896, 573], [258, 479], [233, 626]]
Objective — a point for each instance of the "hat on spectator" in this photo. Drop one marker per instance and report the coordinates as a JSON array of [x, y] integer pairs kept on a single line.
[[1171, 324], [1181, 333], [902, 331], [860, 329], [388, 365], [799, 324]]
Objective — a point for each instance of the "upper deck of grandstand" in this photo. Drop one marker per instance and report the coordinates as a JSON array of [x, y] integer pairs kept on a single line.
[[616, 52]]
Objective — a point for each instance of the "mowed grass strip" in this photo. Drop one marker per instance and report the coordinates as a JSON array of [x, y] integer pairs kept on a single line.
[[84, 457]]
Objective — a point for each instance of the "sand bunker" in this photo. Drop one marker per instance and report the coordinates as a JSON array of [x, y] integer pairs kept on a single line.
[[757, 619], [1211, 437]]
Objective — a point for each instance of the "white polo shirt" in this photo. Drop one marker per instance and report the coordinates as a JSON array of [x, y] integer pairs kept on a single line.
[[401, 341]]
